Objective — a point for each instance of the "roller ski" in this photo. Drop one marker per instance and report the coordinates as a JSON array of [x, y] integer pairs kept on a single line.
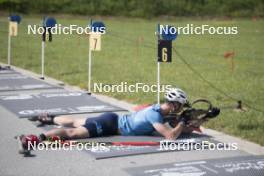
[[24, 142]]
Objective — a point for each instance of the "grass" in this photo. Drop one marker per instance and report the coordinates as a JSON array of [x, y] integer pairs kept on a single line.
[[129, 55]]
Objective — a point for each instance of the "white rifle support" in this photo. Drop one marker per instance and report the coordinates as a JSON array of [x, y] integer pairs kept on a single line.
[[42, 59], [9, 50], [89, 69]]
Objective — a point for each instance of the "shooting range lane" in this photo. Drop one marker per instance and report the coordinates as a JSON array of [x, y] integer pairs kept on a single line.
[[57, 103], [13, 81], [113, 151], [235, 166]]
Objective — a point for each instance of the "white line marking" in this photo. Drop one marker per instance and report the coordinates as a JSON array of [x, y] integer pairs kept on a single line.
[[212, 170], [190, 163]]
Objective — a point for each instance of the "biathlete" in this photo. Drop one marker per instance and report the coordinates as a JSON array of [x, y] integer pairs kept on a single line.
[[143, 122]]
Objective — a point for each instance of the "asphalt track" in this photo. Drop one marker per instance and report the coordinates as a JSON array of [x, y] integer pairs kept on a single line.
[[80, 163]]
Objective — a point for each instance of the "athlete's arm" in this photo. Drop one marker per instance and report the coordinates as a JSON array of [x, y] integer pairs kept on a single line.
[[168, 133]]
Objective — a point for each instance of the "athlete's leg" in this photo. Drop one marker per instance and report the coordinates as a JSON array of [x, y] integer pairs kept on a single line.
[[69, 121], [103, 125], [63, 120], [69, 133]]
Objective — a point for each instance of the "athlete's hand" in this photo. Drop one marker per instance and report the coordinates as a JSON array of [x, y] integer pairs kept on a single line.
[[185, 120], [196, 123], [185, 117]]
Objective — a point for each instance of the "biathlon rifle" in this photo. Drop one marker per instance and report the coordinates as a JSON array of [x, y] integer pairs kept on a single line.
[[192, 115]]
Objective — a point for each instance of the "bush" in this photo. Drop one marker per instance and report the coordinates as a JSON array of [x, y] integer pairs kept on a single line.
[[139, 8]]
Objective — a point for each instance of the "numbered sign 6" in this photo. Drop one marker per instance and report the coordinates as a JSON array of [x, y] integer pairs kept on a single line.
[[164, 50]]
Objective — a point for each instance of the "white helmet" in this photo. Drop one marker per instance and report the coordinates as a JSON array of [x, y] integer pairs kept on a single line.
[[176, 95]]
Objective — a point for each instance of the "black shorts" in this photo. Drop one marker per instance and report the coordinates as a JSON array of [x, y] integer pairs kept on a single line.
[[104, 125]]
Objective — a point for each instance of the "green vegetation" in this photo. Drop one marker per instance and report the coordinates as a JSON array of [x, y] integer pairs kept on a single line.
[[129, 55], [138, 8]]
